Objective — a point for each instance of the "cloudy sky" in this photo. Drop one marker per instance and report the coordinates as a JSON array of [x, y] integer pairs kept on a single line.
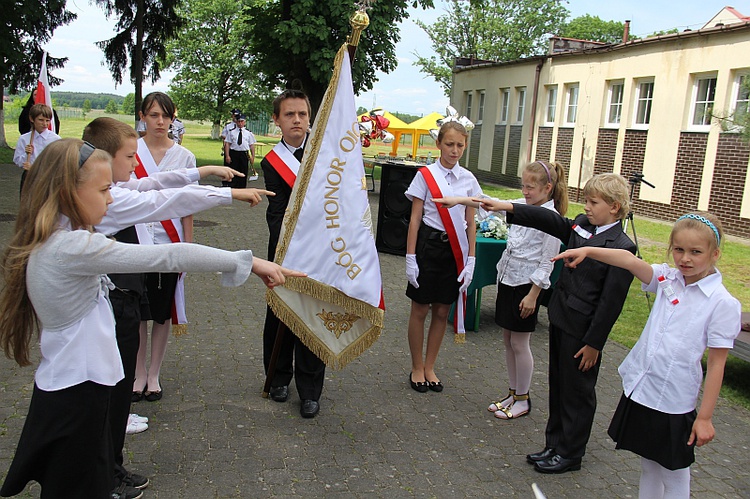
[[404, 90]]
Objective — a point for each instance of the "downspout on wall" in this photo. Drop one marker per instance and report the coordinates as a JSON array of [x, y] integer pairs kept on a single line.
[[534, 100]]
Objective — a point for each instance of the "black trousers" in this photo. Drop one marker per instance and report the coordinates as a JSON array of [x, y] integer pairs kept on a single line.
[[240, 162], [572, 396], [127, 312], [295, 360]]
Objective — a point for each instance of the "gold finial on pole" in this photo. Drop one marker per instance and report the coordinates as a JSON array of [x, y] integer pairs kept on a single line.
[[359, 22]]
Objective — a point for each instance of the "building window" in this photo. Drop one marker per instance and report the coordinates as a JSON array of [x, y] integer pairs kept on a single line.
[[572, 111], [551, 104], [742, 98], [469, 95], [521, 104], [480, 117], [614, 111], [505, 103], [705, 92], [644, 98]]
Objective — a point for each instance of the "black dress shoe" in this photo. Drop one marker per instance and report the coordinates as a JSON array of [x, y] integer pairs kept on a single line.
[[309, 408], [435, 386], [558, 464], [547, 453], [279, 393], [420, 386]]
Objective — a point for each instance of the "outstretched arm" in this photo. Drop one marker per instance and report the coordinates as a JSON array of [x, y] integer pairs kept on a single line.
[[703, 429], [611, 256]]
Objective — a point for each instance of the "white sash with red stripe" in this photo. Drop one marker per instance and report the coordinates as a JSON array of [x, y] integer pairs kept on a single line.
[[147, 166], [284, 162], [454, 222]]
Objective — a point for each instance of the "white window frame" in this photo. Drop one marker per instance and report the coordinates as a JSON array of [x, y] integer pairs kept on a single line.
[[504, 105], [740, 96], [703, 101], [520, 110], [572, 95], [469, 98], [615, 98], [644, 100], [551, 111], [480, 116]]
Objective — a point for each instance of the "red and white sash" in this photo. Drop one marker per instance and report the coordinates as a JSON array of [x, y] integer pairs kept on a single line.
[[284, 162], [147, 166], [454, 222]]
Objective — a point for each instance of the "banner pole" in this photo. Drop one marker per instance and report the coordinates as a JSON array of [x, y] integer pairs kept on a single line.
[[281, 332]]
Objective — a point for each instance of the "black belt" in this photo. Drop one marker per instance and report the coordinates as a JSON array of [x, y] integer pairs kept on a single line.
[[435, 235]]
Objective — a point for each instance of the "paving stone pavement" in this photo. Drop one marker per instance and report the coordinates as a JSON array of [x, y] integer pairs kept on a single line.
[[214, 436]]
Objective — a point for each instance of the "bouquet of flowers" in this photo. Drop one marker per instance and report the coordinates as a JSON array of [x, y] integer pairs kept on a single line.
[[492, 226]]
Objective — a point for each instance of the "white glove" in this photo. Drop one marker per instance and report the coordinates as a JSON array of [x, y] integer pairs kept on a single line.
[[466, 275], [412, 270]]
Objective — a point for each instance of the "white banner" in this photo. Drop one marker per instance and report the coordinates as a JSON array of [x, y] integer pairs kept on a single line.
[[337, 311]]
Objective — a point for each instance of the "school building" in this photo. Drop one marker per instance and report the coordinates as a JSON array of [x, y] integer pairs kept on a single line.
[[653, 106]]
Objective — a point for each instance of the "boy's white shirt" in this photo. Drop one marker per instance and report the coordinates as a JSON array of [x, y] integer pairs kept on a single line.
[[41, 140]]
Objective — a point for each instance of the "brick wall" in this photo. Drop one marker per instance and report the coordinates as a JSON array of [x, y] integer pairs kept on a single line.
[[498, 149], [606, 147], [728, 183], [544, 143], [564, 147], [475, 135]]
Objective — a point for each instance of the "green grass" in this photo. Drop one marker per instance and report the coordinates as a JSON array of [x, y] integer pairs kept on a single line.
[[653, 237]]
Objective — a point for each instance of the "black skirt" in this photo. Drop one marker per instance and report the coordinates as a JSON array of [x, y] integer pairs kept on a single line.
[[160, 292], [652, 434], [438, 273], [507, 314], [65, 445]]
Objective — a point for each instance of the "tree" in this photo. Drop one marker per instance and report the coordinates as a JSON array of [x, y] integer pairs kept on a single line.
[[295, 42], [215, 71], [128, 105], [144, 28], [27, 26], [588, 27], [86, 109], [111, 107], [497, 30]]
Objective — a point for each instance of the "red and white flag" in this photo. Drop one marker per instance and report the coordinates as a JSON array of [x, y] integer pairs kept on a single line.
[[337, 311], [43, 95]]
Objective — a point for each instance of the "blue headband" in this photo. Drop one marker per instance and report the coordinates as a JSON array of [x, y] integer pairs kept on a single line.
[[706, 221]]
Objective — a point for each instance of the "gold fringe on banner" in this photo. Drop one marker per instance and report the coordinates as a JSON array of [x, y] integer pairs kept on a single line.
[[298, 327], [459, 338], [179, 329]]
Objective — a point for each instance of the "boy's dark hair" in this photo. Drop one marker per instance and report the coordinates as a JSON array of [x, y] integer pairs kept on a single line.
[[40, 110], [290, 93], [108, 134], [164, 101]]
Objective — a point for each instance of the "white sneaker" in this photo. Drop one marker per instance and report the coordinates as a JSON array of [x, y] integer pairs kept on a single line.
[[135, 427], [138, 419], [252, 177]]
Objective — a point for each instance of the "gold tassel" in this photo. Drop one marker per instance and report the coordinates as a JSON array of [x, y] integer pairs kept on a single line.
[[179, 329], [459, 338]]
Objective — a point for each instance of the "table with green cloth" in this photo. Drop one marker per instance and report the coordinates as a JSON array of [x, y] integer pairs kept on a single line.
[[487, 253]]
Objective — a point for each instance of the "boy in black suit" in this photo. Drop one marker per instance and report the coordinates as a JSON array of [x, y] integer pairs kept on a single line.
[[291, 112], [583, 308]]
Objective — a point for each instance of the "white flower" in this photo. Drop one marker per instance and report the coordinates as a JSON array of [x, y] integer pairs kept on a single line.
[[493, 227]]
